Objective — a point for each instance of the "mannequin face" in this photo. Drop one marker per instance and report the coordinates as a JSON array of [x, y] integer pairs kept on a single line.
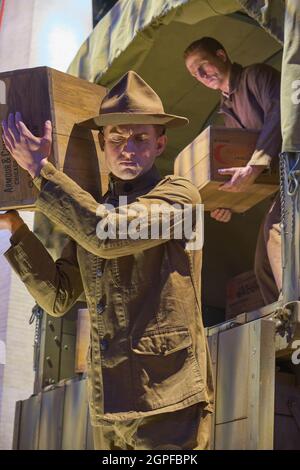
[[130, 150], [212, 70]]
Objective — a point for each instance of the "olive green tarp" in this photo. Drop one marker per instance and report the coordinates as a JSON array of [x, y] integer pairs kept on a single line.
[[150, 37], [282, 19]]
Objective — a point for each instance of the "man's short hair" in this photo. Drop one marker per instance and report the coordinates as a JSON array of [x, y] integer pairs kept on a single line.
[[207, 44], [159, 129]]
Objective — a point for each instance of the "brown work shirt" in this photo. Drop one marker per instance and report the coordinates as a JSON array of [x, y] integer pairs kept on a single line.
[[253, 102], [148, 351]]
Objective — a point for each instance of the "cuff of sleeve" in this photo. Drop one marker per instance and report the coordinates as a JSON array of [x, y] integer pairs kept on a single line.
[[260, 158], [37, 181], [19, 235], [48, 171]]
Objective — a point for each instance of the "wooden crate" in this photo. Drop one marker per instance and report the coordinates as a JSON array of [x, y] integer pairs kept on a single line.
[[242, 294], [243, 360], [287, 412], [43, 93], [221, 147], [82, 340]]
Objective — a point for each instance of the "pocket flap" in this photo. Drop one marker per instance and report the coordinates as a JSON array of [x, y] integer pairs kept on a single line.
[[161, 343]]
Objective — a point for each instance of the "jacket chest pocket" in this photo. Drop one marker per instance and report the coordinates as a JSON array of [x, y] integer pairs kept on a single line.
[[128, 271], [165, 371]]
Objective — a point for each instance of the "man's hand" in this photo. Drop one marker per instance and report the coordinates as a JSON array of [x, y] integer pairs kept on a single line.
[[30, 152], [10, 221], [242, 177], [221, 215]]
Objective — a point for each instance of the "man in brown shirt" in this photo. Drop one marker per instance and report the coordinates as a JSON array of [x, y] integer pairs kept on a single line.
[[149, 372], [250, 99]]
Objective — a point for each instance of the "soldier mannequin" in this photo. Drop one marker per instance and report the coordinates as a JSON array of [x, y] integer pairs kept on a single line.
[[149, 372], [250, 100]]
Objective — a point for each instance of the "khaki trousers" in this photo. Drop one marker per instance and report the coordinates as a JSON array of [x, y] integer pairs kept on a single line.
[[188, 429], [268, 261]]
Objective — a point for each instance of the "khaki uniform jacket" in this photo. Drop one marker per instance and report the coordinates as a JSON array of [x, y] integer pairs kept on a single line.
[[148, 351], [253, 102]]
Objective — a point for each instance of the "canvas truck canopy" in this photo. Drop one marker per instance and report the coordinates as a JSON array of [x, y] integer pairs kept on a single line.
[[150, 38], [159, 31], [281, 18]]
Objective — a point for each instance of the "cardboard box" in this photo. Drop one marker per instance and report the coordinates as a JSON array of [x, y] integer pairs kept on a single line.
[[43, 93], [82, 340], [221, 147], [242, 295]]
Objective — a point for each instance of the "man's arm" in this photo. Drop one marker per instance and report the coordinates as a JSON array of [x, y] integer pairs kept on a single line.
[[78, 214], [264, 82], [75, 212], [54, 285]]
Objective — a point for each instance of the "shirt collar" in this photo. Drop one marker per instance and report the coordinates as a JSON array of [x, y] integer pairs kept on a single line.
[[234, 79], [118, 187]]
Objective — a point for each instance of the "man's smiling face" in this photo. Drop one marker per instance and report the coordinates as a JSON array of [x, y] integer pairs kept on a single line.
[[212, 70], [130, 150]]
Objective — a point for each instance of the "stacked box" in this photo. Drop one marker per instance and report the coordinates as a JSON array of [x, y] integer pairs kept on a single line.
[[40, 94], [243, 294], [82, 340], [220, 147]]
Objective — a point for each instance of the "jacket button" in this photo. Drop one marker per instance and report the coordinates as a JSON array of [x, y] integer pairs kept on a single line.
[[99, 272], [100, 308], [103, 345]]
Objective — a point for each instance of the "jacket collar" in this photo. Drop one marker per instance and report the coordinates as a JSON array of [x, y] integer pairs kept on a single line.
[[234, 80], [141, 184]]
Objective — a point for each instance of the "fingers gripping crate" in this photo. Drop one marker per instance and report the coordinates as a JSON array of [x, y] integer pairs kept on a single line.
[[218, 148]]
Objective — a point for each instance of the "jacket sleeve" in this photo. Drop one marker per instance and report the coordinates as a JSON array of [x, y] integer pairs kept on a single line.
[[264, 82], [54, 285], [78, 214]]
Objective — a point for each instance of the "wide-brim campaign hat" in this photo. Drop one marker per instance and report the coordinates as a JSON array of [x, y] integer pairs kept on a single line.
[[132, 101]]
